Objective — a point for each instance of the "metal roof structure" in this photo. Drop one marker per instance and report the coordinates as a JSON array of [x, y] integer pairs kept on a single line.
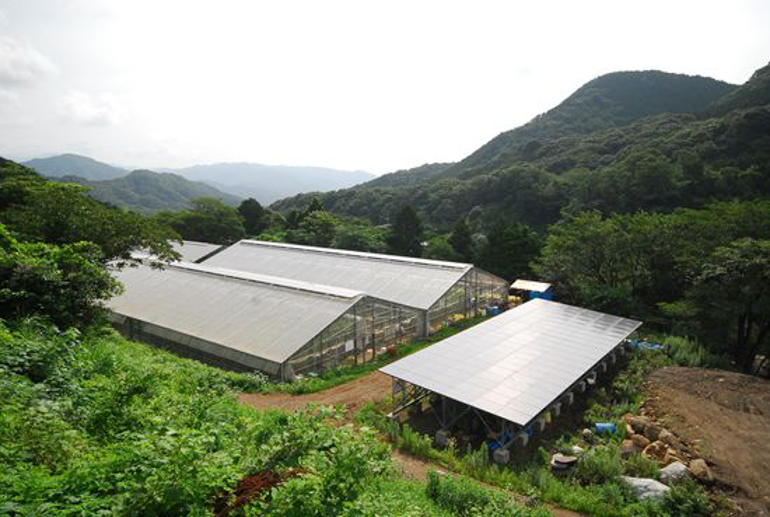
[[256, 315], [531, 285], [411, 282], [192, 251], [515, 365]]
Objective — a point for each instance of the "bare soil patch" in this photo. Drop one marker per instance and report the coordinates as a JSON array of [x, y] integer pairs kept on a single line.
[[369, 388], [727, 415]]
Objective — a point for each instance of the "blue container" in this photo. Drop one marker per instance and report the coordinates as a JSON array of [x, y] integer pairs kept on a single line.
[[605, 428]]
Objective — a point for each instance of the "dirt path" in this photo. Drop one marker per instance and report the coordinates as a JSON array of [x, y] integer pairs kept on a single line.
[[730, 413], [369, 388]]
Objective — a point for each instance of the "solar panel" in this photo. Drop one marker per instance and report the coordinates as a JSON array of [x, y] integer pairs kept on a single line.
[[518, 363]]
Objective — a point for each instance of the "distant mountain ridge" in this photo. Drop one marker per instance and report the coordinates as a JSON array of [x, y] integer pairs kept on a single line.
[[75, 165], [148, 191], [267, 183]]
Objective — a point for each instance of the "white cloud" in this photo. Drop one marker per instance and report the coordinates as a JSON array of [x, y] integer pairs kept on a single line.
[[102, 109], [21, 64], [3, 19], [9, 100]]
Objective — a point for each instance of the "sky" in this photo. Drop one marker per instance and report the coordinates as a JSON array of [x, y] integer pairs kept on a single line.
[[358, 85]]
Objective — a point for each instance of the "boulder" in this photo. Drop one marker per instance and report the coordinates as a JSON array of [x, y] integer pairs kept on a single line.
[[656, 451], [577, 450], [638, 423], [640, 440], [652, 432], [627, 449], [629, 430], [701, 470], [646, 488], [671, 457], [668, 438], [588, 435], [673, 473]]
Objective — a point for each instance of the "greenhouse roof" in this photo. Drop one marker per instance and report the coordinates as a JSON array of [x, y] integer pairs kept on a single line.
[[192, 251], [267, 317], [411, 282], [518, 363]]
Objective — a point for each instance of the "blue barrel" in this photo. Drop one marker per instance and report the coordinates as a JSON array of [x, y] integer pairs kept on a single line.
[[605, 428]]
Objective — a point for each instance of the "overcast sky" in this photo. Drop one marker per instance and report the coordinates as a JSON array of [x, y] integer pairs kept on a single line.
[[368, 85]]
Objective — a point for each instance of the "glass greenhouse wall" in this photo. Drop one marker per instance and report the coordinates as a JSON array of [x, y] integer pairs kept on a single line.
[[476, 292], [370, 328]]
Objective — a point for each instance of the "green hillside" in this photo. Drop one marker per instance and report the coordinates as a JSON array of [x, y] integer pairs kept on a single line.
[[148, 191], [75, 165], [605, 147]]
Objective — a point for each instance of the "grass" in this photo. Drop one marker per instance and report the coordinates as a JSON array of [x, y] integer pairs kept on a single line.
[[336, 377]]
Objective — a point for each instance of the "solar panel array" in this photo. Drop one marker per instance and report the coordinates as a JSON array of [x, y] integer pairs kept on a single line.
[[516, 364]]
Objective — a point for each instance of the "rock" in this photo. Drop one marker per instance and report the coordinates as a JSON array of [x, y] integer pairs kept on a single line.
[[701, 470], [668, 438], [656, 451], [646, 489], [629, 430], [588, 435], [577, 450], [652, 432], [627, 449], [674, 473], [640, 441], [638, 423], [671, 457], [563, 461]]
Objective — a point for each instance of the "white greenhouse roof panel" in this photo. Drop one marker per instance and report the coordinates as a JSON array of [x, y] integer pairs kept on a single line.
[[257, 315], [412, 282], [518, 363], [192, 251], [531, 285]]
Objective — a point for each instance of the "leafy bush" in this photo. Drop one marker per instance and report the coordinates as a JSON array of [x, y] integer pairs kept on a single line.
[[96, 425], [688, 352], [687, 499], [466, 498], [641, 466], [598, 466]]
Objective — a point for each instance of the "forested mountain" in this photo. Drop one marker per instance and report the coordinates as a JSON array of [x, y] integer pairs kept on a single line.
[[612, 100], [409, 176], [613, 145], [75, 165], [148, 191], [266, 183], [756, 92]]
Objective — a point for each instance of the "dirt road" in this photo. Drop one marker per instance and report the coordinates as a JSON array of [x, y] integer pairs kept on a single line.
[[371, 387], [730, 412]]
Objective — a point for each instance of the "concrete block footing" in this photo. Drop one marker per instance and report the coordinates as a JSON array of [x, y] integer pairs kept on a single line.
[[581, 386], [522, 439], [501, 456], [556, 409], [541, 423], [604, 366], [569, 398]]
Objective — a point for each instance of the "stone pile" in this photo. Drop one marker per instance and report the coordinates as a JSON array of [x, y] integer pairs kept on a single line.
[[661, 445]]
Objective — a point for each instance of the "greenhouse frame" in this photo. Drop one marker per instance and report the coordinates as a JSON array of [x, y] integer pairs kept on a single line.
[[245, 321], [441, 292]]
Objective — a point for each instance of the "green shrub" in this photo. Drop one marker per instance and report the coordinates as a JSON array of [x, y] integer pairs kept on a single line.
[[641, 466], [687, 352], [687, 499], [598, 466]]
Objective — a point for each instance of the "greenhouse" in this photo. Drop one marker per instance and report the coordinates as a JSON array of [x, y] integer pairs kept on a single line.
[[441, 292], [247, 321]]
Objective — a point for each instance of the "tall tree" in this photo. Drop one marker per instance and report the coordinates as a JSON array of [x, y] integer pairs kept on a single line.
[[254, 216], [461, 240], [406, 234], [210, 220], [509, 250], [731, 298]]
